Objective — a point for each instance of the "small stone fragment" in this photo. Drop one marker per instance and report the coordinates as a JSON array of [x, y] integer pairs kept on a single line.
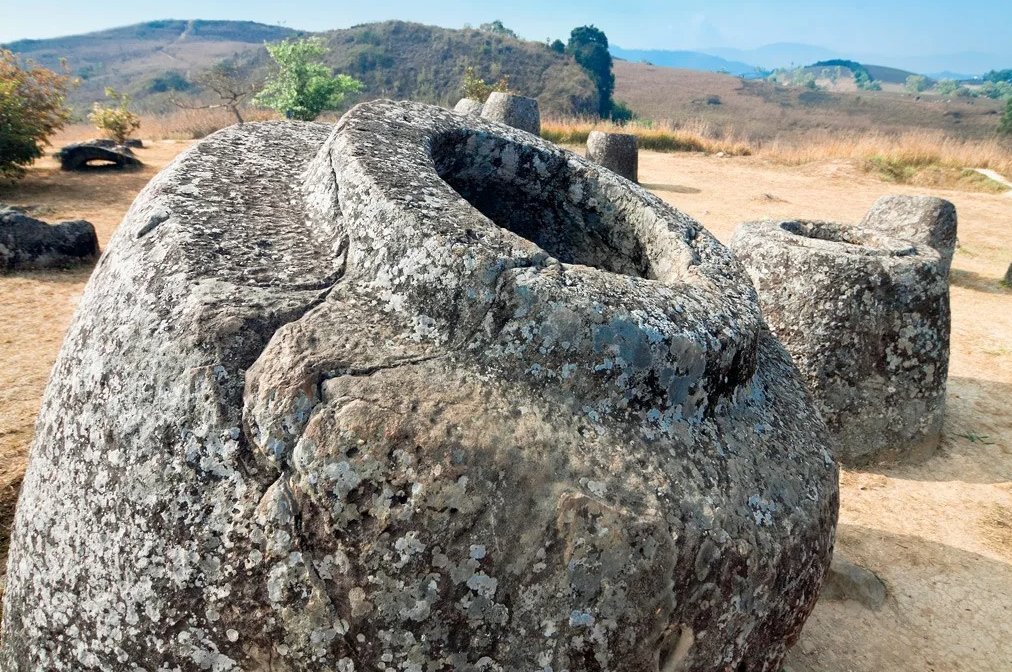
[[848, 581]]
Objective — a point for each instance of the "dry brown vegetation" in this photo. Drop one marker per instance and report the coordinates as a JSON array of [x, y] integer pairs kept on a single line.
[[759, 111]]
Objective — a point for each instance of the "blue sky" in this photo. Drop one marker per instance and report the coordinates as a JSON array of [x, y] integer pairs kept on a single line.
[[894, 28]]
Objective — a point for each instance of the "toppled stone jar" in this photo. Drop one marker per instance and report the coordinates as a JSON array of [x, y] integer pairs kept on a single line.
[[866, 318], [27, 243], [430, 393]]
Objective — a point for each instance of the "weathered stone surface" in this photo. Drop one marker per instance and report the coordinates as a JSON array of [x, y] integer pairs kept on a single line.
[[28, 243], [866, 319], [84, 155], [516, 111], [615, 151], [924, 220], [1008, 276], [429, 394], [848, 581], [469, 106]]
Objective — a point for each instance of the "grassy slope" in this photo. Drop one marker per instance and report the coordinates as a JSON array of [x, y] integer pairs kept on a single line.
[[408, 60], [394, 59], [760, 110], [128, 58]]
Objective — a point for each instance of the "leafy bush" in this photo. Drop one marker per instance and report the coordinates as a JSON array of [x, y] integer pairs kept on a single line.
[[946, 87], [31, 109], [497, 28], [473, 86], [620, 112], [999, 76], [916, 83], [116, 121], [996, 90], [170, 80], [1005, 125], [302, 87]]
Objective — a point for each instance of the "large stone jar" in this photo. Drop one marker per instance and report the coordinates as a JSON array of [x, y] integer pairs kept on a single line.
[[866, 318], [426, 394]]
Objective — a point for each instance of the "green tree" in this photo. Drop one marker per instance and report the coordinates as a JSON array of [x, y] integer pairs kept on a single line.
[[916, 83], [557, 46], [946, 87], [302, 87], [497, 28], [589, 46], [1005, 125], [32, 107]]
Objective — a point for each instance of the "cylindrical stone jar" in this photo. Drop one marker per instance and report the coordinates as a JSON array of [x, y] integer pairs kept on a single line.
[[469, 106], [866, 319], [615, 151], [516, 111]]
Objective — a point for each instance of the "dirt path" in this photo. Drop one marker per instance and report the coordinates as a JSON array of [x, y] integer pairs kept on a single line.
[[939, 534]]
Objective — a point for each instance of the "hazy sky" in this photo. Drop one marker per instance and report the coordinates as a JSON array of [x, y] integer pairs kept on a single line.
[[890, 27]]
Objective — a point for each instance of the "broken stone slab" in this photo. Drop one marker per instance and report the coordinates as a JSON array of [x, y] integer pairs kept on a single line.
[[27, 243], [513, 110], [469, 106], [85, 155], [866, 318], [615, 151], [423, 391], [849, 581], [924, 220]]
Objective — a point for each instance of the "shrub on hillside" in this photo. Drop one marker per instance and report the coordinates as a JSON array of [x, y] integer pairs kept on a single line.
[[116, 121], [476, 88], [1005, 125], [31, 109], [916, 83]]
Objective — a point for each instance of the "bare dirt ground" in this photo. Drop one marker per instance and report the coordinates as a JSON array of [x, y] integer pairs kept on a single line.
[[939, 533]]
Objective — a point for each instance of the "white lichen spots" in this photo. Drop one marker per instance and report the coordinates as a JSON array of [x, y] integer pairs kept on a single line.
[[477, 551], [580, 619], [483, 584], [407, 546], [232, 635]]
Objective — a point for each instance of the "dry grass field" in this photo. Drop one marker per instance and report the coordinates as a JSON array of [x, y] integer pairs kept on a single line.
[[939, 533], [758, 111]]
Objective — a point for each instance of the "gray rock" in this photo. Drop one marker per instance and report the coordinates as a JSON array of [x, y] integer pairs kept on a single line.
[[615, 151], [27, 243], [516, 111], [430, 393], [1008, 276], [924, 220], [469, 106], [847, 581], [866, 319], [84, 155]]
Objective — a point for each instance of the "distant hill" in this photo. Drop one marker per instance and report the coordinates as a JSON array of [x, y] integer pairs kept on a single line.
[[154, 61], [761, 110], [778, 55], [692, 60], [128, 58], [396, 59]]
